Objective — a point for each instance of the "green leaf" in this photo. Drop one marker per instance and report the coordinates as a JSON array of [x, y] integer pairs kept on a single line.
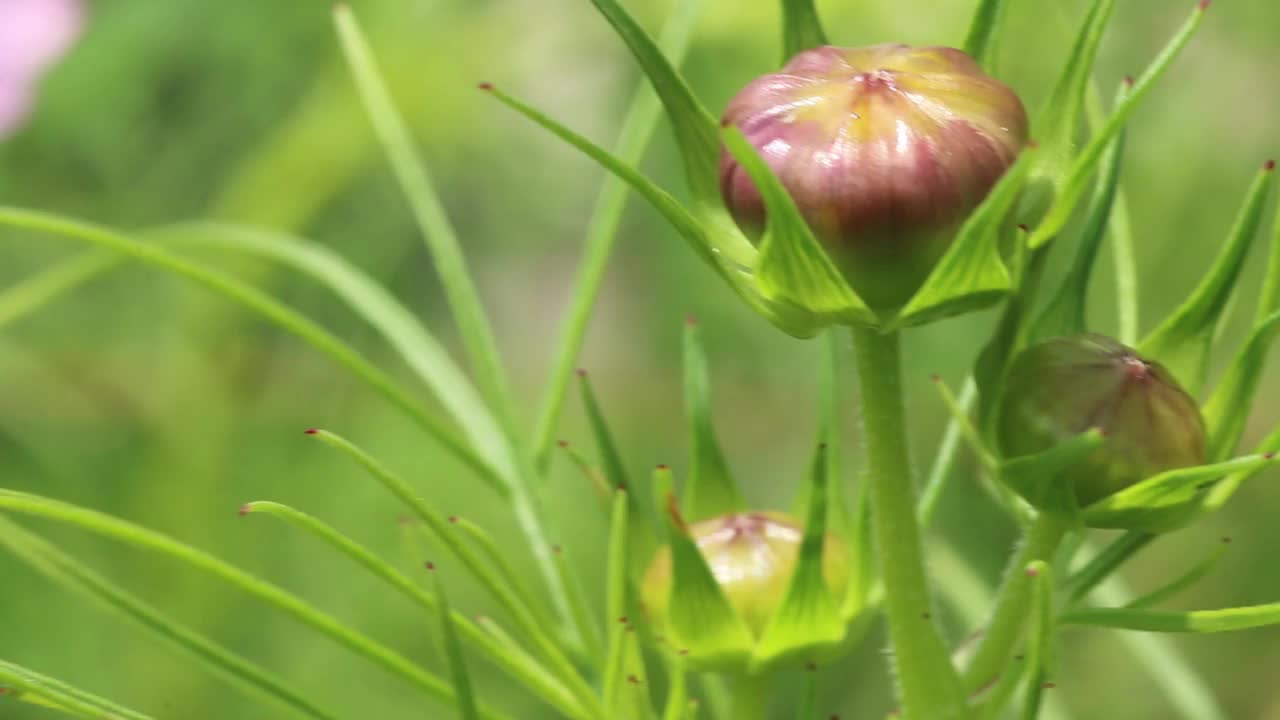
[[695, 127], [1166, 501], [960, 416], [792, 269], [602, 231], [27, 685], [1269, 298], [1198, 621], [1072, 189], [453, 654], [291, 605], [1190, 577], [32, 293], [801, 28], [265, 306], [1221, 492], [699, 616], [1037, 478], [1106, 562], [406, 334], [1228, 408], [579, 612], [972, 274], [710, 490], [527, 671], [1182, 341], [1065, 312], [1057, 127], [982, 41], [944, 459], [437, 231], [1040, 643], [492, 578], [808, 620]]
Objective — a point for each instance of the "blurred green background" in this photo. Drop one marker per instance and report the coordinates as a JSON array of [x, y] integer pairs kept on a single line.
[[148, 398]]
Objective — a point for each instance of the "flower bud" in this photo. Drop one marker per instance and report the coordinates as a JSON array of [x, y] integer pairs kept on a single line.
[[1062, 387], [885, 151], [752, 557]]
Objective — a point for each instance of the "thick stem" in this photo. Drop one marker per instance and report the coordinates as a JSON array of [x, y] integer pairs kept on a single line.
[[929, 685], [750, 696], [1013, 602]]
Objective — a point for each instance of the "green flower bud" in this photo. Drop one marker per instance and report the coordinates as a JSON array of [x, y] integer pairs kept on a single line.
[[1060, 388], [752, 558], [885, 151]]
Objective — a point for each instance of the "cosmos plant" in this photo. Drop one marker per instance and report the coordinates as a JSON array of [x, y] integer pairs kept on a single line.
[[851, 195]]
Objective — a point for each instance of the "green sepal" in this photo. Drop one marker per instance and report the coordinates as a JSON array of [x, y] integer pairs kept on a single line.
[[1182, 341], [801, 28], [1064, 314], [793, 271], [1037, 478], [808, 622], [972, 274], [1166, 501], [1228, 408], [1076, 182], [1057, 127], [695, 127], [982, 40], [700, 619], [710, 490]]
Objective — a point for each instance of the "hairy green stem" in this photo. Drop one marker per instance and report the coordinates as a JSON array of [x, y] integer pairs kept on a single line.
[[1013, 602], [929, 686]]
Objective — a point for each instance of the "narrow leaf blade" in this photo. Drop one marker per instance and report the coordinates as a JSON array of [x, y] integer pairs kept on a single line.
[[710, 490]]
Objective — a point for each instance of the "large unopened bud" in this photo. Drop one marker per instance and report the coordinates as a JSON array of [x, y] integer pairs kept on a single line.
[[1062, 387], [885, 150], [752, 557]]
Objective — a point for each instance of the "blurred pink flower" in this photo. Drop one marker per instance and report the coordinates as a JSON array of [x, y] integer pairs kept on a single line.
[[33, 35]]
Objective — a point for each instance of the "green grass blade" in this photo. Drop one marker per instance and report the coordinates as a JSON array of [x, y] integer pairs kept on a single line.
[[602, 232], [261, 304], [1196, 621], [437, 231], [32, 293], [500, 587], [801, 28], [1182, 341], [140, 537], [982, 40], [453, 653], [59, 695], [1082, 168], [70, 573], [695, 128], [406, 334]]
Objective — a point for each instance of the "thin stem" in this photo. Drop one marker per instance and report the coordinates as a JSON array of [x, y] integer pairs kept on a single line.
[[1013, 601], [929, 686]]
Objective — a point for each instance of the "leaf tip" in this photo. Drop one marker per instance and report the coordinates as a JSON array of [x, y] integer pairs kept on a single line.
[[1269, 165], [1128, 81], [429, 565], [1226, 539], [486, 86], [310, 431], [691, 320], [582, 372], [1204, 5]]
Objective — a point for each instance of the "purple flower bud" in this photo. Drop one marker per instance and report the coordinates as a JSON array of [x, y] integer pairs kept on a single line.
[[33, 35], [1062, 387], [885, 150], [752, 556]]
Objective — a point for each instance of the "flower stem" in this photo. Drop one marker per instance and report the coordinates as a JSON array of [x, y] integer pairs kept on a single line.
[[929, 685], [1012, 603]]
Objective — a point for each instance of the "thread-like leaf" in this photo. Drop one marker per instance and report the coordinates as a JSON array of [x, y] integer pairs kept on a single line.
[[982, 40], [1064, 314], [1106, 562], [1227, 411], [602, 230], [1198, 621], [695, 127], [453, 653], [1190, 577], [263, 305], [1038, 477], [1040, 649], [1072, 189], [291, 605], [1182, 341], [972, 274], [801, 28], [22, 683], [437, 231], [34, 292], [710, 489], [960, 416], [1221, 492], [792, 269]]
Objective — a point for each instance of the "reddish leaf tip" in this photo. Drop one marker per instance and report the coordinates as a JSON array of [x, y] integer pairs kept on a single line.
[[582, 372], [244, 509], [310, 431], [811, 666], [562, 443], [453, 519], [1226, 539], [1033, 571], [936, 377], [429, 565], [1024, 227], [485, 86], [1204, 5], [1049, 685], [691, 320], [623, 620], [1269, 165], [556, 549], [663, 467], [1269, 456], [1033, 145], [1128, 81]]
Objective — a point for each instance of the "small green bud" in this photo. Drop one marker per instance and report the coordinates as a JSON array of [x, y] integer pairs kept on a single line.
[[885, 151], [1062, 387], [752, 557]]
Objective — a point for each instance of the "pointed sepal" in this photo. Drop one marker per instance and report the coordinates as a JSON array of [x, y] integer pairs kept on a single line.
[[710, 490]]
